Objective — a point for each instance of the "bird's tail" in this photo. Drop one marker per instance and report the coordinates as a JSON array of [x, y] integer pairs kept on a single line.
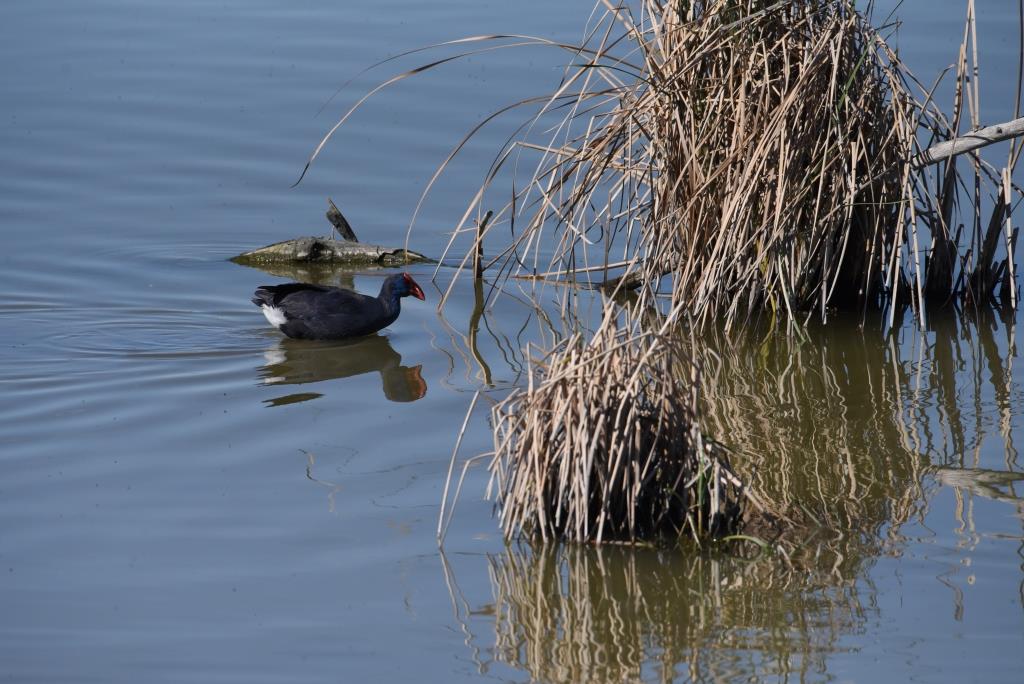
[[263, 296]]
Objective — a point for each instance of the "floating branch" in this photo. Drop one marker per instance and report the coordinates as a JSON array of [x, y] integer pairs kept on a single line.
[[970, 141]]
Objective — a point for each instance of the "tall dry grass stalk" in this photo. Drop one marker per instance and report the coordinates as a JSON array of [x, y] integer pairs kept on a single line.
[[604, 445]]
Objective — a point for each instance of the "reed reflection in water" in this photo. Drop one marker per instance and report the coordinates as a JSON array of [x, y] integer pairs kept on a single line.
[[298, 362], [616, 614], [842, 426], [849, 432]]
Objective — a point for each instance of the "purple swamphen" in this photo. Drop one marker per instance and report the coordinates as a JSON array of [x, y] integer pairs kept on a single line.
[[318, 312]]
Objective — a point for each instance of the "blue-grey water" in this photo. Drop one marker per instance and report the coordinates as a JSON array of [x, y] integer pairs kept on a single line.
[[185, 496]]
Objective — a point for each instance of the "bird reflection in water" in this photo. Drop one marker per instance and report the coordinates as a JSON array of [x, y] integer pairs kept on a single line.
[[298, 362]]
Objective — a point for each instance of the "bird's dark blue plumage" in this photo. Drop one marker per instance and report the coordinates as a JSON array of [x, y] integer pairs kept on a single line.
[[318, 312]]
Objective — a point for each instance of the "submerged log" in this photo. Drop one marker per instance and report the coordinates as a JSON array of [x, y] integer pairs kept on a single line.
[[327, 250]]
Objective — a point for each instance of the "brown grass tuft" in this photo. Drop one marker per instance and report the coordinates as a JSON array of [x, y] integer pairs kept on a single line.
[[604, 445]]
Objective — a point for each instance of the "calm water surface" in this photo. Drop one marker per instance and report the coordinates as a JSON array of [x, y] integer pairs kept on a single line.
[[185, 496]]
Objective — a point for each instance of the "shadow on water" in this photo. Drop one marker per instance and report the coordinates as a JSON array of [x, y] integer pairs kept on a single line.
[[299, 362]]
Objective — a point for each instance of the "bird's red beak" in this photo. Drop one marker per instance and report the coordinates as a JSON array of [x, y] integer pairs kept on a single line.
[[414, 289]]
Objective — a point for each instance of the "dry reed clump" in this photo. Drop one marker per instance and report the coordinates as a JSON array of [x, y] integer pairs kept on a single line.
[[604, 445], [777, 146], [765, 156]]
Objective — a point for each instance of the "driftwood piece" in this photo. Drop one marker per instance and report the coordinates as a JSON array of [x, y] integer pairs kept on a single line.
[[340, 224], [323, 250], [327, 250], [970, 141]]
